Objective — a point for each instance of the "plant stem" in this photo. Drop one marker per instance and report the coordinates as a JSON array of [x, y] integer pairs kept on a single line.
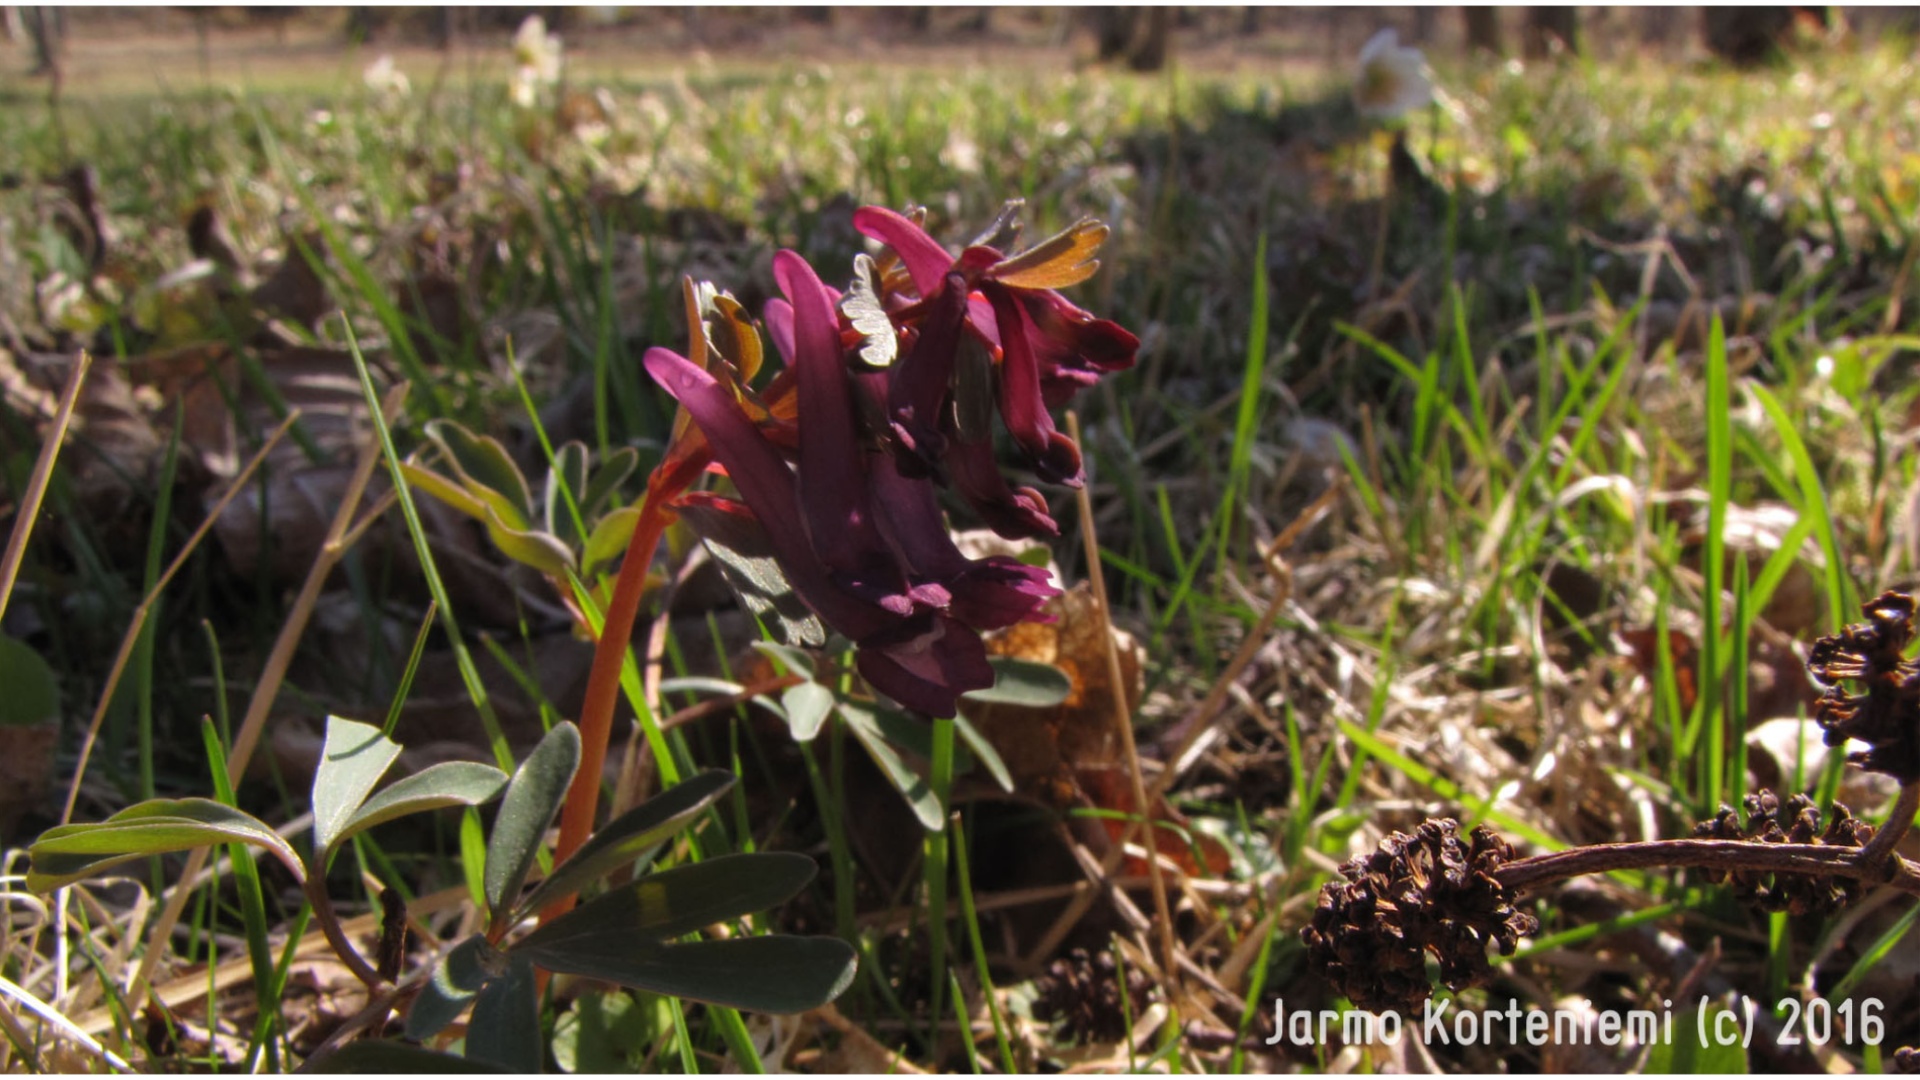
[[1724, 855], [315, 886], [1899, 822], [934, 867], [603, 684]]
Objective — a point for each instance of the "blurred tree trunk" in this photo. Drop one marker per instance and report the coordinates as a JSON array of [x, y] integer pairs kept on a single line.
[[1483, 29], [46, 26], [1545, 25], [1751, 35], [1136, 35], [1425, 19]]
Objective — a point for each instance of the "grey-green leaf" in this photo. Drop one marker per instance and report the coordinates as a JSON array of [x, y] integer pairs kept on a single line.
[[632, 837], [796, 661], [911, 785], [533, 797], [671, 903], [806, 705], [984, 750], [450, 783], [67, 853], [505, 1029], [745, 555], [352, 760], [778, 973], [1023, 682], [457, 977], [386, 1057]]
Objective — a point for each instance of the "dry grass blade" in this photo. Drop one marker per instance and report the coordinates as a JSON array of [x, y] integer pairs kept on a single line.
[[341, 533], [67, 1027], [1123, 720], [42, 476]]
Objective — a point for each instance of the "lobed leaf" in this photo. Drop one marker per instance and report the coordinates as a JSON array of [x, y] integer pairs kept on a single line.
[[806, 705], [486, 470]]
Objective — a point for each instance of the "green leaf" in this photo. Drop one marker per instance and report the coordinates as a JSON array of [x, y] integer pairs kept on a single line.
[[33, 691], [911, 785], [536, 549], [1023, 682], [806, 705], [984, 750], [615, 467], [778, 973], [486, 470], [569, 467], [450, 783], [633, 836], [608, 1032], [533, 798], [66, 854], [745, 554], [505, 1029], [443, 489], [611, 535], [1686, 1055], [671, 903], [796, 661], [387, 1057], [353, 759], [457, 978]]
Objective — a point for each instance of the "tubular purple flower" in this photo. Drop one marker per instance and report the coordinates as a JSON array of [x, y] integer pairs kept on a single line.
[[917, 655], [1054, 456], [926, 261], [986, 594], [832, 478], [920, 386]]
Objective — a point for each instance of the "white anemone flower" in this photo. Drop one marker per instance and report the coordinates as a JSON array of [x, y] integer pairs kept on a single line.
[[536, 57], [384, 78], [1393, 79]]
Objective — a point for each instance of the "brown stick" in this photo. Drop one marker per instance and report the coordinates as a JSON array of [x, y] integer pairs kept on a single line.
[[1724, 855]]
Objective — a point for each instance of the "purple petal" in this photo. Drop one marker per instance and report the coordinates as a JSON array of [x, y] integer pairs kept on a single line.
[[766, 483], [926, 261], [1054, 456], [926, 666], [1073, 347], [833, 479], [1015, 514], [780, 327], [919, 386]]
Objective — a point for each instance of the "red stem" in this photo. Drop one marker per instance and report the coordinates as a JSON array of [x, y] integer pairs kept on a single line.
[[603, 682]]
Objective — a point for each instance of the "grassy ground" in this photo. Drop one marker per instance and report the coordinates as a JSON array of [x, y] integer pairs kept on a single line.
[[1435, 491]]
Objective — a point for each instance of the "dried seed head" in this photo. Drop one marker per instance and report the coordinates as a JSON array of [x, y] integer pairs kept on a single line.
[[1083, 992], [1887, 715], [1430, 892], [1795, 822]]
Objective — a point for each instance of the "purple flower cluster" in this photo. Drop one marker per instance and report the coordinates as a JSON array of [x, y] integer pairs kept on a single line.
[[893, 383]]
